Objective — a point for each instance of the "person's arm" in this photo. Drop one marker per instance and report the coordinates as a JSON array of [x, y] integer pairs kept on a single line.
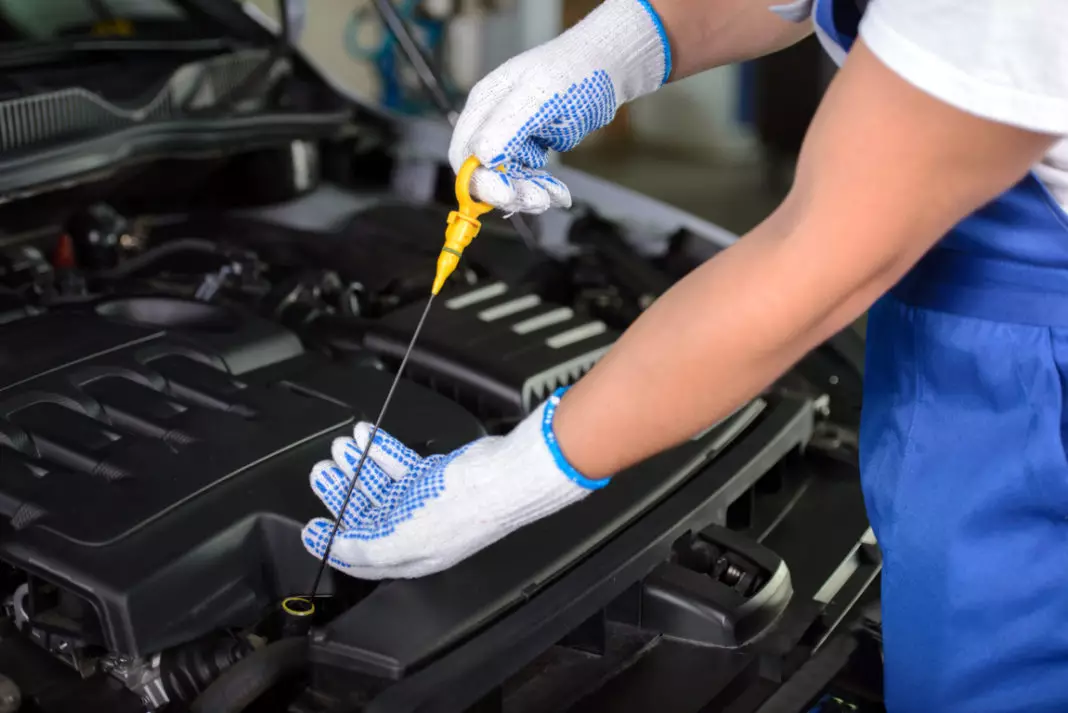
[[705, 34], [885, 171]]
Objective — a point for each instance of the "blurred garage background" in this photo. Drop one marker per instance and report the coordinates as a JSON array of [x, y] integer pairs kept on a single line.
[[719, 145]]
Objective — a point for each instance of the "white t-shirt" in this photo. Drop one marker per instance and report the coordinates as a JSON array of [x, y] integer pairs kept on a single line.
[[1004, 60]]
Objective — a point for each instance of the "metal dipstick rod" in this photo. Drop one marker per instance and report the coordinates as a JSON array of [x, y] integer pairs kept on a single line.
[[462, 227], [313, 592]]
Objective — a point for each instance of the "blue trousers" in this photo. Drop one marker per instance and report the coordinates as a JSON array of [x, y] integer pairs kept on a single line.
[[966, 483]]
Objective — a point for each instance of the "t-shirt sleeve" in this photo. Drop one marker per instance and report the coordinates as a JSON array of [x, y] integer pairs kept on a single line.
[[1004, 60]]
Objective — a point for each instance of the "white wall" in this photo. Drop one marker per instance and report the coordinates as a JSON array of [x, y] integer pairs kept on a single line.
[[324, 42], [539, 21]]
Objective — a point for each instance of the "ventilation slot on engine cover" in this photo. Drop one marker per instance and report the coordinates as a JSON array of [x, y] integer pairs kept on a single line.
[[499, 351]]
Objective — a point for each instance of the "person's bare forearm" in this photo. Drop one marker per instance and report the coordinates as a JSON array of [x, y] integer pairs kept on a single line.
[[711, 343], [844, 236], [711, 33]]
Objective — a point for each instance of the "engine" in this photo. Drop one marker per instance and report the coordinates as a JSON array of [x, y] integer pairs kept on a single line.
[[166, 384], [162, 398]]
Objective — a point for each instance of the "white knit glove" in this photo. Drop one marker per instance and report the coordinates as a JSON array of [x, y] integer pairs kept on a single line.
[[551, 97], [411, 516]]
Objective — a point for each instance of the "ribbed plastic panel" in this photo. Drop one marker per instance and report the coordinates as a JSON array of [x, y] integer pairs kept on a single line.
[[44, 118], [497, 349]]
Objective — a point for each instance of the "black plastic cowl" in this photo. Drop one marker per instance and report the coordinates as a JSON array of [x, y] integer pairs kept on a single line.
[[721, 590]]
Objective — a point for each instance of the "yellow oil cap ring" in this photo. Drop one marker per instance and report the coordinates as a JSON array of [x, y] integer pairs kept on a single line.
[[298, 606]]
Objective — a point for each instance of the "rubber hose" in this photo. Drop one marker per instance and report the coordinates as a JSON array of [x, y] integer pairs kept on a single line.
[[244, 682], [145, 259]]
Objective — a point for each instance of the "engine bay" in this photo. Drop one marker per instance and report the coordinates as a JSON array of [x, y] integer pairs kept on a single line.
[[180, 343], [211, 262]]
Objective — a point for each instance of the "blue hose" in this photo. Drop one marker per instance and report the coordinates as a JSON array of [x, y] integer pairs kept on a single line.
[[384, 55]]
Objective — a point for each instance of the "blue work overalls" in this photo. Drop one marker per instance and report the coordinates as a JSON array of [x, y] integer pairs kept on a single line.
[[963, 461]]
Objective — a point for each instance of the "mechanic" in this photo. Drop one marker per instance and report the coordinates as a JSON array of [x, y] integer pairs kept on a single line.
[[930, 189]]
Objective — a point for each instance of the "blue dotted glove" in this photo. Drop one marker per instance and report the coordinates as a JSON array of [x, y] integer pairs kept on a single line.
[[410, 516], [551, 97]]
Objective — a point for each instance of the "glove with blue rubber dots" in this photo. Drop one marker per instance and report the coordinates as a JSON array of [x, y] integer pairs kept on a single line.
[[411, 516], [551, 97]]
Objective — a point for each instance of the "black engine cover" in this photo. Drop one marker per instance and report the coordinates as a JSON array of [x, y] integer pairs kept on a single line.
[[154, 456]]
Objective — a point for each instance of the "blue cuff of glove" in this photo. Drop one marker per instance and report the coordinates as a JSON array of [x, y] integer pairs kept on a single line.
[[554, 447], [659, 24]]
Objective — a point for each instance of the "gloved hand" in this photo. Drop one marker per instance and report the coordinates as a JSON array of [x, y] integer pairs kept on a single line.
[[551, 97], [411, 516]]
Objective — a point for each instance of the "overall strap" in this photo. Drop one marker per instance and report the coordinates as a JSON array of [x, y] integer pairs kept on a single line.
[[982, 268], [993, 289]]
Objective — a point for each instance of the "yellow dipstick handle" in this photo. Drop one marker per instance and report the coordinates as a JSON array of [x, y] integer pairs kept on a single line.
[[463, 225]]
